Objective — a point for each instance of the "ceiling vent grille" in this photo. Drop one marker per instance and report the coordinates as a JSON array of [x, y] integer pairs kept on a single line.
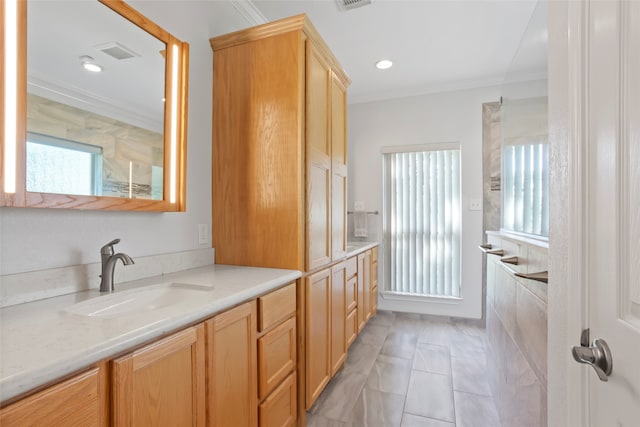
[[116, 50], [351, 4]]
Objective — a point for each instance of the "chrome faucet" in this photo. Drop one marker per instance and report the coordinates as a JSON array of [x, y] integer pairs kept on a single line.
[[109, 260]]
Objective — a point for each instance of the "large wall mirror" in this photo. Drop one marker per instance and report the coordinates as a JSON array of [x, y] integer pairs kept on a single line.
[[96, 115]]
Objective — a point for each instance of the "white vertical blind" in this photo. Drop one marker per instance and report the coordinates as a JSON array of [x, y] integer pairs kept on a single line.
[[422, 222], [526, 188]]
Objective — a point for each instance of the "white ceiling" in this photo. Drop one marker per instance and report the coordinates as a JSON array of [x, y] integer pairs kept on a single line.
[[435, 45]]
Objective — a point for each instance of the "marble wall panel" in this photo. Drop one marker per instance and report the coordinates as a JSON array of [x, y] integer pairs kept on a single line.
[[121, 143]]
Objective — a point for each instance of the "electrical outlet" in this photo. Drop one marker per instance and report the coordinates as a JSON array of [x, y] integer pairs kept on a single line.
[[203, 234], [475, 204], [358, 206]]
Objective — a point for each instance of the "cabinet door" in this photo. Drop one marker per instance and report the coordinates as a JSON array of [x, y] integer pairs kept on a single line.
[[161, 384], [367, 284], [317, 333], [79, 401], [338, 316], [338, 169], [374, 281], [363, 294], [318, 148], [231, 368]]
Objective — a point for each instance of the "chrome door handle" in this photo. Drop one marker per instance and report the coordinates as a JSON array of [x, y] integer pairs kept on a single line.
[[597, 355]]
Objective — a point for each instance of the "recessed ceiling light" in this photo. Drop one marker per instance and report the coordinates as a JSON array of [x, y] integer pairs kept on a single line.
[[384, 64], [88, 64]]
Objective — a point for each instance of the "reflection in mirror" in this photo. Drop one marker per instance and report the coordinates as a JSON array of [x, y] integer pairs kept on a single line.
[[94, 108], [116, 106]]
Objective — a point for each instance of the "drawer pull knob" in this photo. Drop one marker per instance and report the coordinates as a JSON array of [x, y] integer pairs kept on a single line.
[[511, 260], [499, 252], [542, 276]]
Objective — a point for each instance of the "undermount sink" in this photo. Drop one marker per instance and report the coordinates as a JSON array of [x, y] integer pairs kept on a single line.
[[140, 300]]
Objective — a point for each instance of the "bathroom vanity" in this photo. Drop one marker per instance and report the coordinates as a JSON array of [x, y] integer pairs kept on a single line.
[[220, 357]]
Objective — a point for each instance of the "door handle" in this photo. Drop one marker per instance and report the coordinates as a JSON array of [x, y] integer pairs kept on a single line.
[[597, 355]]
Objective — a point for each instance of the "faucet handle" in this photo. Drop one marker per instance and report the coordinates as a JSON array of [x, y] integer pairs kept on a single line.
[[108, 248]]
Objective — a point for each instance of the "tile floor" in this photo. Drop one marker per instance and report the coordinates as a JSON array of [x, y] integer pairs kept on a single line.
[[407, 370]]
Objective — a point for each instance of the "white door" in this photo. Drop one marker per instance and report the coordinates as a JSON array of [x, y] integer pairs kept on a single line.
[[612, 214]]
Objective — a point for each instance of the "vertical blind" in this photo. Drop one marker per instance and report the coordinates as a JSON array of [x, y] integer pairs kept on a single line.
[[422, 222], [526, 188]]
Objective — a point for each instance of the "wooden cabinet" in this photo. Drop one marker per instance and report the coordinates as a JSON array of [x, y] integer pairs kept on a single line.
[[364, 298], [338, 168], [351, 301], [317, 334], [318, 166], [236, 369], [231, 368], [79, 401], [338, 316], [277, 359], [280, 408], [374, 280], [279, 148], [161, 384]]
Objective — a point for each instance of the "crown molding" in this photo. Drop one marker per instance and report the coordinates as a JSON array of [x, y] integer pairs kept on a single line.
[[249, 11]]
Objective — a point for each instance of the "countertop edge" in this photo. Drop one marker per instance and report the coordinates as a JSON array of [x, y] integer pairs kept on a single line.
[[359, 247]]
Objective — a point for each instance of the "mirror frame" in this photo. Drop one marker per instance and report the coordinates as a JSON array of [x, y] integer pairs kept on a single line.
[[14, 157]]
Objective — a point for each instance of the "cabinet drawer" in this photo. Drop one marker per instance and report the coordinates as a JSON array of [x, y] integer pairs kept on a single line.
[[276, 356], [351, 293], [280, 408], [76, 401], [352, 266], [276, 306], [352, 327]]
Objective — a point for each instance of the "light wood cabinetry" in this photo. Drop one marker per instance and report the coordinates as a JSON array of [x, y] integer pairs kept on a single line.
[[279, 148], [338, 316], [338, 168], [235, 369], [231, 367], [351, 300], [374, 281], [364, 291], [279, 181], [79, 401], [161, 384], [318, 333], [277, 359], [280, 408]]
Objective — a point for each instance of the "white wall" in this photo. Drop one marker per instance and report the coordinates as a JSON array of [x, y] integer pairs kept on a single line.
[[36, 239], [441, 117]]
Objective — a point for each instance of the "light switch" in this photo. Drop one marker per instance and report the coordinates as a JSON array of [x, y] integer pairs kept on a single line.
[[203, 234]]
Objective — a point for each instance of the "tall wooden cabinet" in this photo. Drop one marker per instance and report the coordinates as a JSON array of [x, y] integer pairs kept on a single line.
[[279, 148], [280, 176]]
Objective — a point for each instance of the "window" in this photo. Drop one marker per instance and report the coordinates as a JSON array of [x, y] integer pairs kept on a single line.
[[57, 165], [422, 220], [525, 166]]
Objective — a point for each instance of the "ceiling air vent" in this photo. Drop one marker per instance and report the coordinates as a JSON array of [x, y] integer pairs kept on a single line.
[[116, 50], [351, 4]]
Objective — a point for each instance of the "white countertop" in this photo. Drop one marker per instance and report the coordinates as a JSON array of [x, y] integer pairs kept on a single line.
[[355, 248], [42, 341]]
